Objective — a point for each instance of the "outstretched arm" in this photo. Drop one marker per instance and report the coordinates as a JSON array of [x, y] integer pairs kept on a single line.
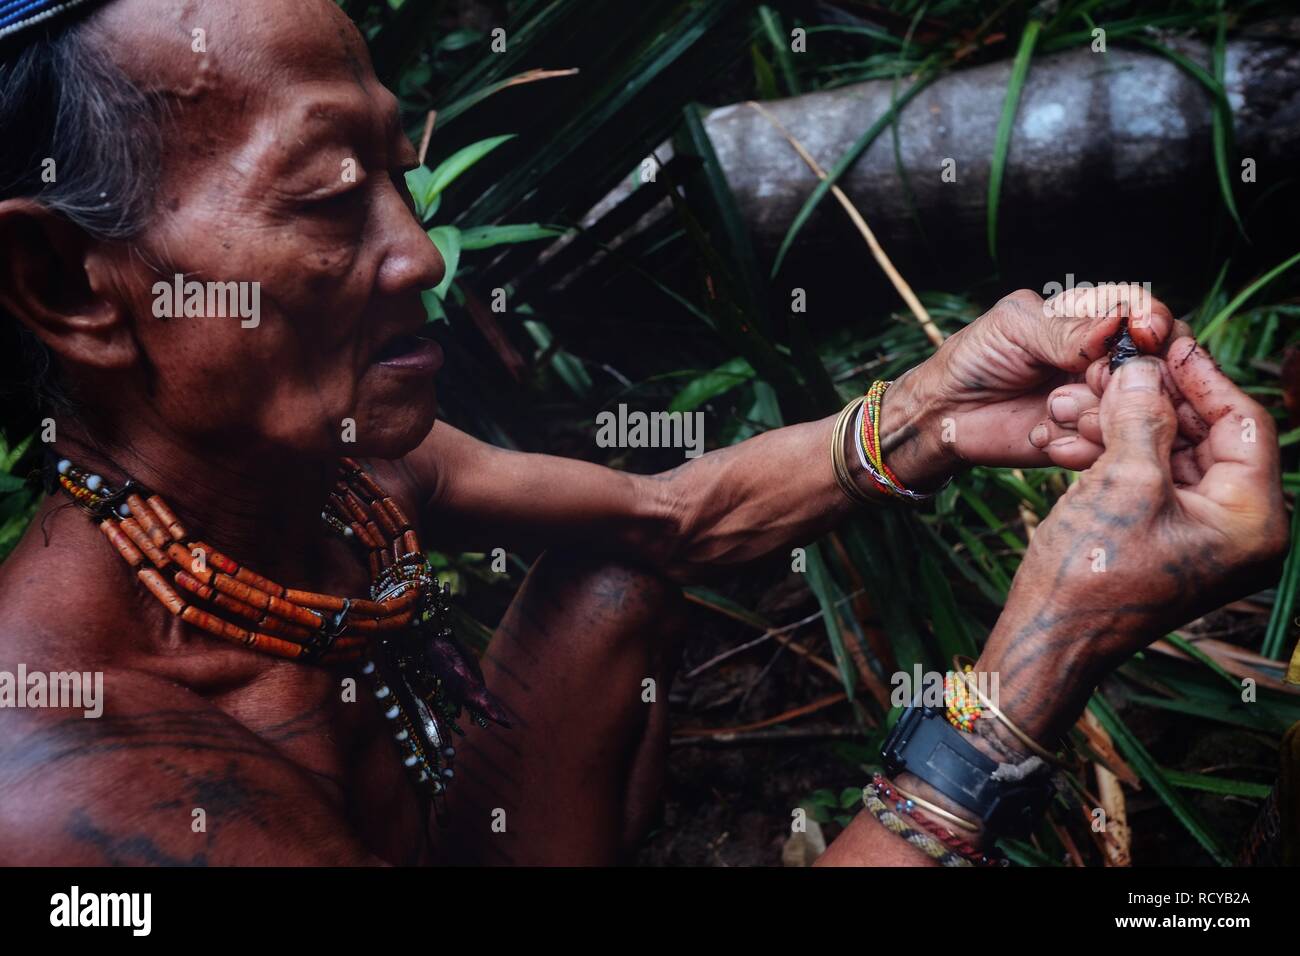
[[975, 401]]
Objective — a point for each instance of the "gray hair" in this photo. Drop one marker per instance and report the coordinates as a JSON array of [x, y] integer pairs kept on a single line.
[[71, 116]]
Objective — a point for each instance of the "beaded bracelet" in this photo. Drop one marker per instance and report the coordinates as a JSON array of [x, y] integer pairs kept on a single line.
[[963, 709], [966, 673], [904, 803], [870, 450], [892, 820]]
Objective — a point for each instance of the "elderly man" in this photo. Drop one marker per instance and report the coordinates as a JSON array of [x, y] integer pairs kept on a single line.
[[207, 552]]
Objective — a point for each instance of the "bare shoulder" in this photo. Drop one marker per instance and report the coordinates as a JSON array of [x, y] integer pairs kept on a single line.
[[159, 777]]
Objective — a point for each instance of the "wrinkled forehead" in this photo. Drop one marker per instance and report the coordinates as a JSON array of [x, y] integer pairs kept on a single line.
[[227, 63]]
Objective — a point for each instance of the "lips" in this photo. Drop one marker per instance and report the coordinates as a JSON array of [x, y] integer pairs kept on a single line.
[[411, 352]]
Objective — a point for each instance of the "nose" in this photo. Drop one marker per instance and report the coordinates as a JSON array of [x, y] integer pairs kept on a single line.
[[411, 261]]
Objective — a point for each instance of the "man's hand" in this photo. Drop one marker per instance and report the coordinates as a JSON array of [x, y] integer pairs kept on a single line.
[[977, 400], [1146, 539]]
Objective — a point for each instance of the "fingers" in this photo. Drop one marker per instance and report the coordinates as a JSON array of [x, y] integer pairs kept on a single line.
[[1081, 320], [1071, 437], [1098, 375], [1064, 448], [1137, 416], [1066, 404], [1239, 429]]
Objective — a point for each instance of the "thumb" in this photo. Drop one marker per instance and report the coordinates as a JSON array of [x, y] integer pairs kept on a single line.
[[1138, 422]]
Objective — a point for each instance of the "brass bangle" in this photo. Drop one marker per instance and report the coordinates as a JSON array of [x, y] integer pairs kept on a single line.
[[1033, 745], [843, 477], [938, 811]]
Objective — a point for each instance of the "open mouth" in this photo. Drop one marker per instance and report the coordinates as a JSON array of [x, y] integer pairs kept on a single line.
[[412, 351]]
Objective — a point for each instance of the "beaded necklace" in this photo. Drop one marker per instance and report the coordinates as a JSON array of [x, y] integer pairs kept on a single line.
[[401, 633]]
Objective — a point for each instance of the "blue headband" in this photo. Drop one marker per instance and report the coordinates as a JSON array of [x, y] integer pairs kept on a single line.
[[16, 15]]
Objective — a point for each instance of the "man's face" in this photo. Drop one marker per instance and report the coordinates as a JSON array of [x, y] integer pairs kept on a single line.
[[283, 165]]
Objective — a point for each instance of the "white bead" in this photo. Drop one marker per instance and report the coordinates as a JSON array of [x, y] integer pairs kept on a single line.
[[392, 712], [382, 693], [401, 735], [347, 531], [369, 668], [63, 466], [410, 761], [124, 510], [93, 482]]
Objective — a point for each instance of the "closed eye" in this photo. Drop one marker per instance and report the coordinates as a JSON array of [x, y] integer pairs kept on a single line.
[[339, 202]]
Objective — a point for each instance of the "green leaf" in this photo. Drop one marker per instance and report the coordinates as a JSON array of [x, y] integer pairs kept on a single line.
[[1240, 298], [827, 594], [1279, 621], [9, 456], [949, 623], [1154, 777], [433, 310], [455, 108], [781, 47], [569, 369], [1198, 655], [712, 384], [764, 78], [1219, 785], [823, 188], [485, 237], [447, 239], [1221, 125], [420, 183], [1002, 140], [451, 168], [1025, 854]]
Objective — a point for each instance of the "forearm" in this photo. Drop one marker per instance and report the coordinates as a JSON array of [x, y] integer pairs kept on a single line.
[[713, 513], [1042, 686], [778, 490]]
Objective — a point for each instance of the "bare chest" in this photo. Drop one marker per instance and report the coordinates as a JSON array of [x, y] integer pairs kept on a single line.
[[326, 722]]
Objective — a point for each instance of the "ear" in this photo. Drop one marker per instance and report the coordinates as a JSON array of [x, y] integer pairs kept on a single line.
[[54, 281]]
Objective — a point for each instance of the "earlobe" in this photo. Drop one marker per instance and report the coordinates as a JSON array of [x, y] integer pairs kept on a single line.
[[52, 281]]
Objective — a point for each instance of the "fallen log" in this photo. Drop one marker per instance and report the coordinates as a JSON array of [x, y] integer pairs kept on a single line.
[[1110, 173]]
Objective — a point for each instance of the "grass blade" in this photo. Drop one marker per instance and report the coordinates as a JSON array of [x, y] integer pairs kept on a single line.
[[1207, 784], [1002, 141], [823, 188], [780, 46], [1279, 622], [1240, 298], [1221, 124], [1155, 777]]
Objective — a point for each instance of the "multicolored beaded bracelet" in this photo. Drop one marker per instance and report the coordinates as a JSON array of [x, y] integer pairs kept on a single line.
[[874, 797], [882, 792], [963, 709], [870, 451]]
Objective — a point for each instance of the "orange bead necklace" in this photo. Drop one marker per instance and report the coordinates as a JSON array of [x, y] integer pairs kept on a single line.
[[401, 633]]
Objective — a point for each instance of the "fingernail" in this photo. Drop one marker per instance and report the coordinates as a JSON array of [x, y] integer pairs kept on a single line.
[[1038, 437], [1139, 375], [1064, 408], [1139, 320], [1063, 441]]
